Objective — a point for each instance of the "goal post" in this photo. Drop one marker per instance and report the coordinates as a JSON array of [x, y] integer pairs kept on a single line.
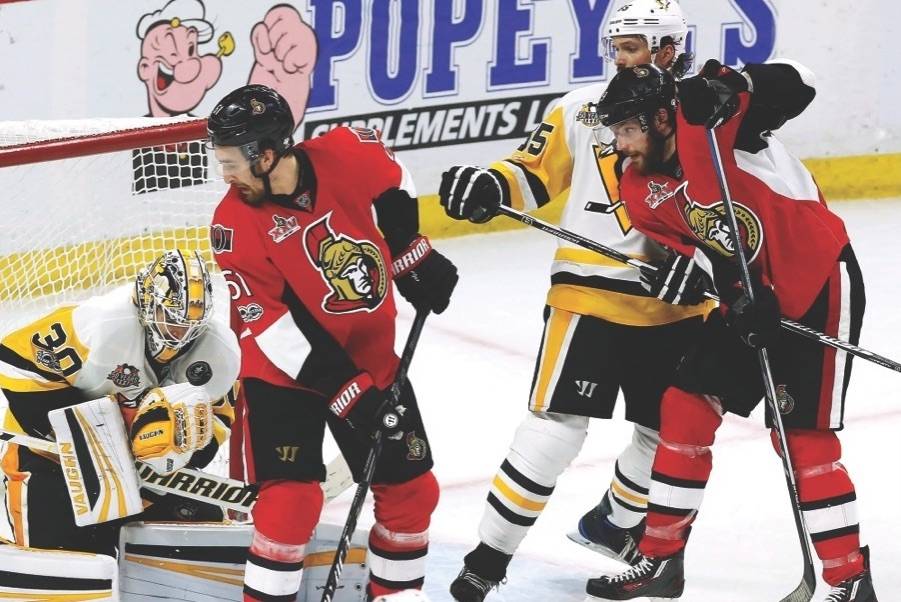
[[89, 202]]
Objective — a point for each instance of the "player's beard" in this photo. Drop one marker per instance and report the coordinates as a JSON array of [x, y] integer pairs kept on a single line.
[[652, 161], [251, 196]]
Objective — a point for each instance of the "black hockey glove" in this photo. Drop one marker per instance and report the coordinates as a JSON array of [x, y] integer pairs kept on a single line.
[[711, 97], [758, 322], [679, 280], [472, 193], [366, 408], [424, 277]]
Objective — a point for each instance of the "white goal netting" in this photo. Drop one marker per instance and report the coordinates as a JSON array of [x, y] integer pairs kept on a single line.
[[89, 202]]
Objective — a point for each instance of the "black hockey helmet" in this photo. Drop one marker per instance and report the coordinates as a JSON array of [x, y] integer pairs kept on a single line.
[[254, 118], [637, 92]]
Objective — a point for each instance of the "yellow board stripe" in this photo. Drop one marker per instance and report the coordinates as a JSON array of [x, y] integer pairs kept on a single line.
[[517, 499], [354, 556], [53, 597], [116, 261], [210, 573]]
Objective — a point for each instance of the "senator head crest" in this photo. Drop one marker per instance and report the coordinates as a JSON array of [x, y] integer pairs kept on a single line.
[[353, 269]]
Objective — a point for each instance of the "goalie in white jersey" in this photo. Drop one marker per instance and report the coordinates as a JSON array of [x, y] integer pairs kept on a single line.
[[123, 344], [605, 330]]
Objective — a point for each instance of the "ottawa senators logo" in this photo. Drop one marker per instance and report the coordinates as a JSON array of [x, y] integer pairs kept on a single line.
[[711, 226], [125, 376], [353, 269], [416, 447], [784, 400]]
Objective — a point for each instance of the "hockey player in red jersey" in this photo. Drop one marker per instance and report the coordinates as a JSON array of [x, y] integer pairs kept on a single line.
[[311, 271], [803, 267]]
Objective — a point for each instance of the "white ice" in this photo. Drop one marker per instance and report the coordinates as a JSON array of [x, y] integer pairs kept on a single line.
[[472, 373]]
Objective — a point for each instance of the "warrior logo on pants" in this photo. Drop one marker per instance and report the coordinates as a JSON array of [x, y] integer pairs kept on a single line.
[[353, 269]]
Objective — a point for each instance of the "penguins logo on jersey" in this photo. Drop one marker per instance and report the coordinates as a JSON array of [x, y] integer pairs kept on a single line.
[[710, 224], [353, 269], [48, 360]]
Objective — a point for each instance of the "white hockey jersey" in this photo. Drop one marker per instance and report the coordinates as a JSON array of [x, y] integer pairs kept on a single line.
[[95, 348], [561, 160]]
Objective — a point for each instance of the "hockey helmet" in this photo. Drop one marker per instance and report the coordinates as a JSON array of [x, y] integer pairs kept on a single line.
[[634, 93], [658, 22], [253, 118], [174, 297]]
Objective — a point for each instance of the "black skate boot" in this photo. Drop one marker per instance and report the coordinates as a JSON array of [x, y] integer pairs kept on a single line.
[[484, 569], [598, 534], [856, 589], [657, 579]]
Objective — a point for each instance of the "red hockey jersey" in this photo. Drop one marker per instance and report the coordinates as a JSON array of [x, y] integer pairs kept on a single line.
[[791, 239], [310, 277]]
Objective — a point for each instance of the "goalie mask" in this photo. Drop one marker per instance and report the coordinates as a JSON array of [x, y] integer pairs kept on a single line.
[[174, 297]]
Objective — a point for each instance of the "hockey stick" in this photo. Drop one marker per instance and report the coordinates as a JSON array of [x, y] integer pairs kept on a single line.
[[226, 493], [375, 450], [790, 325], [805, 589]]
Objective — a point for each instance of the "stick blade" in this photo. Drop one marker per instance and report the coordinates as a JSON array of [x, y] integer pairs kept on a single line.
[[804, 591]]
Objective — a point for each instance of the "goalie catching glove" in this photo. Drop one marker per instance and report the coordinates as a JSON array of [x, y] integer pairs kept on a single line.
[[171, 423]]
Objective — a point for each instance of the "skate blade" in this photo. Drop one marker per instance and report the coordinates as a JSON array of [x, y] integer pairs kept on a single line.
[[576, 537]]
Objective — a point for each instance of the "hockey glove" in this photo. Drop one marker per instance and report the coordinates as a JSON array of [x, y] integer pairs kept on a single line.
[[366, 408], [171, 423], [472, 193], [424, 277], [679, 280], [758, 322], [711, 98]]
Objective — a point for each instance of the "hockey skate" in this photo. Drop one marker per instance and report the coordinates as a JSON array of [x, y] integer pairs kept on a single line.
[[657, 579], [483, 570], [598, 534], [856, 589]]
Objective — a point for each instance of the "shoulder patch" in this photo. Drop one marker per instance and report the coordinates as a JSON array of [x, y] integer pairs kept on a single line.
[[221, 238], [365, 134]]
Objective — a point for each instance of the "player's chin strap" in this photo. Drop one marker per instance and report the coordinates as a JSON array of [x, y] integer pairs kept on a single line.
[[267, 185], [199, 485]]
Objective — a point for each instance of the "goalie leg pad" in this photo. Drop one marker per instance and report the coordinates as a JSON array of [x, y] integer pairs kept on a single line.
[[74, 575], [95, 455], [399, 541], [544, 445], [828, 501], [284, 516]]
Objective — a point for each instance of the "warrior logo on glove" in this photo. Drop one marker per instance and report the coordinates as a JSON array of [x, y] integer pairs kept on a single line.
[[353, 269], [711, 226]]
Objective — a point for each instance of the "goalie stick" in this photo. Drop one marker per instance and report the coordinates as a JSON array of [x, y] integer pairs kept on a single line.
[[790, 325], [226, 493]]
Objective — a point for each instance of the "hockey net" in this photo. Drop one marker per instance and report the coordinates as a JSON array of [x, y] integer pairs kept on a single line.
[[90, 202]]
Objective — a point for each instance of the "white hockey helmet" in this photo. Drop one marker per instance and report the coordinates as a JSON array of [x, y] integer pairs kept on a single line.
[[174, 297], [653, 20]]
